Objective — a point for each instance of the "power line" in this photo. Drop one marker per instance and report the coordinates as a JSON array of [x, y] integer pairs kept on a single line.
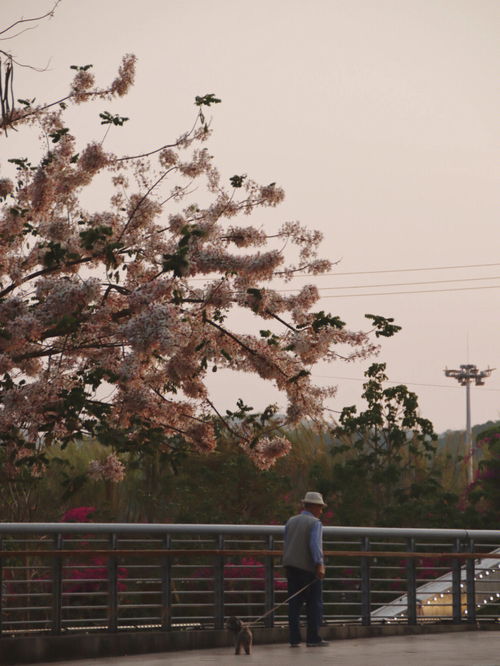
[[417, 291], [397, 284], [398, 270], [389, 381], [388, 270]]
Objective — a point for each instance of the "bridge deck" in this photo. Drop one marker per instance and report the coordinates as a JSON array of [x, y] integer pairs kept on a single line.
[[480, 648]]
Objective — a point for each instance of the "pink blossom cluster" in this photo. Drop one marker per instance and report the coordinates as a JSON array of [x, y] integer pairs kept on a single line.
[[111, 469], [139, 294], [6, 187], [268, 450]]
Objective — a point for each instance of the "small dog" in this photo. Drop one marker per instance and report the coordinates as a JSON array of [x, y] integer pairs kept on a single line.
[[243, 635]]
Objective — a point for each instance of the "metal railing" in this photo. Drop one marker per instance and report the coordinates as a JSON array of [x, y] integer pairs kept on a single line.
[[69, 577]]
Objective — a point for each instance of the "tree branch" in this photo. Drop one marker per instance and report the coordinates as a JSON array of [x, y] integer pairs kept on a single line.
[[243, 345], [141, 201], [292, 328], [222, 419], [157, 150], [54, 350], [43, 271], [30, 20]]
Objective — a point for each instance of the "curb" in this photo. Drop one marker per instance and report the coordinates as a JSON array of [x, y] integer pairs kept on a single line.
[[43, 648]]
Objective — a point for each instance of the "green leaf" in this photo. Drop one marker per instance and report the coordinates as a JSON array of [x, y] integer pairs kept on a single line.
[[108, 119], [383, 325], [206, 100], [47, 159], [18, 212], [322, 320], [176, 263], [54, 255], [295, 378], [21, 163], [94, 235], [237, 181], [58, 134]]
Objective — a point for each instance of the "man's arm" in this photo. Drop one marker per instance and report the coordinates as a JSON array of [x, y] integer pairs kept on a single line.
[[316, 546]]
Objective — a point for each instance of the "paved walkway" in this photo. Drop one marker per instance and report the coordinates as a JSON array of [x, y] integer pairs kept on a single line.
[[481, 648]]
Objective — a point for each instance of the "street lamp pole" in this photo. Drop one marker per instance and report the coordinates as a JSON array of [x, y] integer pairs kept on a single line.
[[465, 376]]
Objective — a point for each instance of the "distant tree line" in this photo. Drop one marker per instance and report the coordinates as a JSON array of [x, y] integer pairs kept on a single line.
[[382, 466]]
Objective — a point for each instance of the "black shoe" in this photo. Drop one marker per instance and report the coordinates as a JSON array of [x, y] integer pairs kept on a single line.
[[320, 644]]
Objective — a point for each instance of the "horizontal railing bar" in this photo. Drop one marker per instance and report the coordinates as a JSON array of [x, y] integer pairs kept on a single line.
[[92, 607], [22, 595], [247, 530], [22, 622], [200, 605], [16, 609], [151, 592], [123, 607], [66, 593], [218, 552], [143, 620], [17, 567]]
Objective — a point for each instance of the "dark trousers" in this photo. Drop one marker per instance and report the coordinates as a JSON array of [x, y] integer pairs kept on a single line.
[[311, 597]]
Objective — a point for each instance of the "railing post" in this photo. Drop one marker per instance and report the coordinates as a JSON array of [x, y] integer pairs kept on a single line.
[[456, 590], [166, 586], [219, 586], [411, 582], [1, 586], [57, 586], [269, 584], [365, 584], [471, 585], [113, 586]]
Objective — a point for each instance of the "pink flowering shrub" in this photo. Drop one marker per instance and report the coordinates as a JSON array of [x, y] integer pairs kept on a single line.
[[93, 577], [249, 567], [135, 298], [80, 514], [327, 518], [84, 575], [236, 573]]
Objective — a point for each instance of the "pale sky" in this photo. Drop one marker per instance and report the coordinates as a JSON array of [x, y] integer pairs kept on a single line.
[[377, 117]]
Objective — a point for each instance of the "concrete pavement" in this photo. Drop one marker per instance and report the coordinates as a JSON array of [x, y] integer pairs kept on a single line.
[[481, 648]]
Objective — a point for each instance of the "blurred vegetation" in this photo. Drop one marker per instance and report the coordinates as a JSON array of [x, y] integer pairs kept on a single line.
[[383, 466]]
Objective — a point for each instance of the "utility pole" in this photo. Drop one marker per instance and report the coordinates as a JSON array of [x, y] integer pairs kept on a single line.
[[465, 376]]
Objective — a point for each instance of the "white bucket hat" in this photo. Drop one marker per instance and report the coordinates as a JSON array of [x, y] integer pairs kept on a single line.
[[313, 498]]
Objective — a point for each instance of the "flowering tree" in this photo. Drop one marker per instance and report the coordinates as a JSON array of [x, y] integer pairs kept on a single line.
[[107, 330]]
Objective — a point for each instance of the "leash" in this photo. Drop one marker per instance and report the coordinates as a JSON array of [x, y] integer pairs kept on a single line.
[[251, 624]]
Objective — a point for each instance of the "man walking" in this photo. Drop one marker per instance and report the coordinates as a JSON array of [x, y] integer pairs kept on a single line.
[[304, 565]]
